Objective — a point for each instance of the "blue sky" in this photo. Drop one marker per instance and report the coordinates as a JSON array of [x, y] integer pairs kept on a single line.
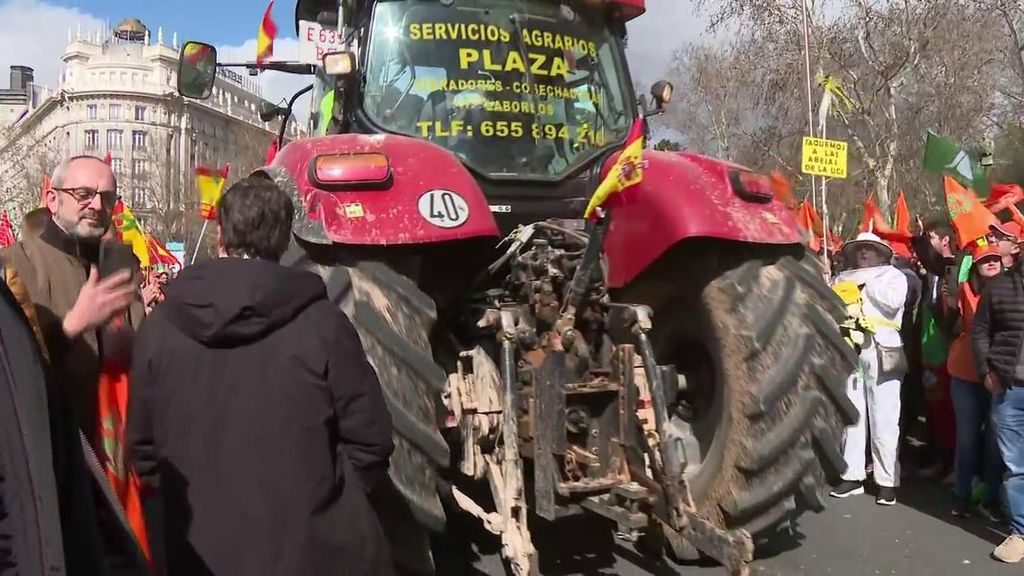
[[226, 22]]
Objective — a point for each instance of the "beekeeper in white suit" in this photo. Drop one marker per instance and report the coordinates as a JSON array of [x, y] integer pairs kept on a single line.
[[879, 293]]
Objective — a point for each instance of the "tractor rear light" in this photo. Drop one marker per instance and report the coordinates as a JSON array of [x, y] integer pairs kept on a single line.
[[751, 186], [364, 170]]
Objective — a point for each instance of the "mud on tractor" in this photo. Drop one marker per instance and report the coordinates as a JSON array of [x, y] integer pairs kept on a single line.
[[673, 365]]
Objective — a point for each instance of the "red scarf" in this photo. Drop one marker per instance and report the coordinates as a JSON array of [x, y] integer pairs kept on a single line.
[[112, 402]]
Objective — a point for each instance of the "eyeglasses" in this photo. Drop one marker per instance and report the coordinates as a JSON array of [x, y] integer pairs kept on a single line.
[[84, 194]]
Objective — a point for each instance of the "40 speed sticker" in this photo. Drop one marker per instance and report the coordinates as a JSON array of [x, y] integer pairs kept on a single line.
[[444, 208]]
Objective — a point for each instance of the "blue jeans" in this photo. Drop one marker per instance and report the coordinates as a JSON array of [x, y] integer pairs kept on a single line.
[[1008, 417], [975, 440]]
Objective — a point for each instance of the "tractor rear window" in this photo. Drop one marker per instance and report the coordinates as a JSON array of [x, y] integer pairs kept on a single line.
[[523, 88]]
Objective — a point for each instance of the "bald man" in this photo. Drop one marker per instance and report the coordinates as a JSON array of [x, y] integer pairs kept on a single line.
[[73, 309]]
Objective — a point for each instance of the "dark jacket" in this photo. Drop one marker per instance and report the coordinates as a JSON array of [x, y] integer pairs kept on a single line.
[[998, 330], [257, 416], [46, 274], [30, 527]]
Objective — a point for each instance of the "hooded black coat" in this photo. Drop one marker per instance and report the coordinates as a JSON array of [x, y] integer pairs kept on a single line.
[[256, 416]]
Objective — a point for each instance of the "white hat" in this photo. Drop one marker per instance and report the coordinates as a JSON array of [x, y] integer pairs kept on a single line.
[[868, 238]]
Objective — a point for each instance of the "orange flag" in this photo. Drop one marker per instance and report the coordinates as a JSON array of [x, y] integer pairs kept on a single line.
[[805, 218], [1003, 196], [971, 219], [902, 217], [808, 219], [900, 242], [873, 220], [782, 190]]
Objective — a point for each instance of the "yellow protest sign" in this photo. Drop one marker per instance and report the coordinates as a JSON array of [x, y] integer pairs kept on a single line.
[[824, 157]]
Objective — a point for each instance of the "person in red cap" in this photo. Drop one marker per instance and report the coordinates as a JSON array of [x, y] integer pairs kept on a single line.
[[1007, 237], [975, 441]]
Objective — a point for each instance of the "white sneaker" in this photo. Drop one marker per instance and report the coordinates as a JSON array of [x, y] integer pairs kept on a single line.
[[1011, 550]]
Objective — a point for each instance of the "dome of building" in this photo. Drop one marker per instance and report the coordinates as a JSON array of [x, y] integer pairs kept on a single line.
[[131, 29]]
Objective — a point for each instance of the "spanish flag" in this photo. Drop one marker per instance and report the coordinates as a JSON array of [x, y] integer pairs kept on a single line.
[[265, 38], [210, 184], [129, 231], [158, 253], [627, 171]]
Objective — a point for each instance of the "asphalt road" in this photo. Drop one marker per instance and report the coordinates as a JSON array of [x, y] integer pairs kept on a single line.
[[917, 537]]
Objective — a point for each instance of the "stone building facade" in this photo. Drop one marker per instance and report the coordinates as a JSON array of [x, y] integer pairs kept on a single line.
[[116, 95]]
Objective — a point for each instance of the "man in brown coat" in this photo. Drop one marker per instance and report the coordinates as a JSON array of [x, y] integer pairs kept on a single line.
[[72, 307]]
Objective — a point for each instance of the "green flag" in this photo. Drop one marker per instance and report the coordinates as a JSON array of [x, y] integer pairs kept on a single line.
[[943, 156]]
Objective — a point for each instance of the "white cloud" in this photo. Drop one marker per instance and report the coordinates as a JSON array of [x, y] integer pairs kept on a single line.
[[34, 33], [276, 87]]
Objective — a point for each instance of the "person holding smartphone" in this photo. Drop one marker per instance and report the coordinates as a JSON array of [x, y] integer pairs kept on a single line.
[[80, 292]]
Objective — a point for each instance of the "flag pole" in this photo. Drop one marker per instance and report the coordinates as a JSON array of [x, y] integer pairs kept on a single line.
[[807, 72], [824, 207], [199, 242]]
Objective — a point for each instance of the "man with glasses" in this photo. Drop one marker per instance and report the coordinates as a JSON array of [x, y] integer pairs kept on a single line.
[[82, 319]]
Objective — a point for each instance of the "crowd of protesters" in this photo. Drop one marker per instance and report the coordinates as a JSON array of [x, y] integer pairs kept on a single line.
[[255, 434], [239, 366], [939, 333]]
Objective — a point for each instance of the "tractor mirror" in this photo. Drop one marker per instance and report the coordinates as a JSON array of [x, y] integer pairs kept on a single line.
[[268, 111], [339, 64], [662, 93], [197, 69]]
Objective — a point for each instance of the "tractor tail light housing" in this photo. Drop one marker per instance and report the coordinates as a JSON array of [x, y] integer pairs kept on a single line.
[[351, 170], [751, 186]]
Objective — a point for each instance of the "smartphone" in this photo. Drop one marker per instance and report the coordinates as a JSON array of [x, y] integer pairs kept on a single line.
[[115, 257]]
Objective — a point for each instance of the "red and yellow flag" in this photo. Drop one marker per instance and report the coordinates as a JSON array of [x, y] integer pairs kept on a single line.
[[627, 171], [266, 35], [194, 53], [210, 183], [158, 253], [129, 231], [971, 219]]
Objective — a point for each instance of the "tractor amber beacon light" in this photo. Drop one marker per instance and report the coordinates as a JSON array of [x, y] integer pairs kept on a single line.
[[348, 170]]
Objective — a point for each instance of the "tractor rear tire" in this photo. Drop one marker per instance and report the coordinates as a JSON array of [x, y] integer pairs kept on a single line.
[[768, 401], [394, 319]]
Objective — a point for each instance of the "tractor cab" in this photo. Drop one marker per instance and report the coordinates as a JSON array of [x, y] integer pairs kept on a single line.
[[516, 89]]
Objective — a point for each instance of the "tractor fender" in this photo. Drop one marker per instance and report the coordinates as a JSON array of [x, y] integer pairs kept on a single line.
[[430, 197], [682, 196]]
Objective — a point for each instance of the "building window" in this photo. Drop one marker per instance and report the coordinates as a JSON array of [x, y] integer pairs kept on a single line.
[[140, 113], [140, 197], [139, 167], [138, 140], [117, 166], [115, 112], [92, 139], [92, 112], [114, 140]]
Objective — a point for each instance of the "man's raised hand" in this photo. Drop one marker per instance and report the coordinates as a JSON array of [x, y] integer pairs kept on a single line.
[[99, 301]]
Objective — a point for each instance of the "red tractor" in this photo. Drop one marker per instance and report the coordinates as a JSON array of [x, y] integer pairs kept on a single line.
[[673, 365]]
